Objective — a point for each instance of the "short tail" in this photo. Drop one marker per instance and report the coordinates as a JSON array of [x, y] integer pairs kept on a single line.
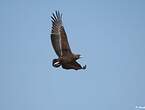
[[84, 67]]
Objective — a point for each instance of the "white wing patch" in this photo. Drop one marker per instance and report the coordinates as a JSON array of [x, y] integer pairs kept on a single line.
[[56, 63], [60, 42]]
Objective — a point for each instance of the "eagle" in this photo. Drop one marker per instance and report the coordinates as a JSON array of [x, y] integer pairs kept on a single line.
[[66, 58]]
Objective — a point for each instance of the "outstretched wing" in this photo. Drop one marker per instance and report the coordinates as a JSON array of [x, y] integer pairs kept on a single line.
[[58, 35]]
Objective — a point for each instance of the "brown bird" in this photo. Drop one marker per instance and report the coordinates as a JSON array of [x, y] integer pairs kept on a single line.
[[59, 40]]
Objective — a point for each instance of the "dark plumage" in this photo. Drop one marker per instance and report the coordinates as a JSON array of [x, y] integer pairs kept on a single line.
[[59, 40]]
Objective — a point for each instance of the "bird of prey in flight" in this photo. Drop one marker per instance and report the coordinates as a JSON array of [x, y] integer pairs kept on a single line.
[[66, 58]]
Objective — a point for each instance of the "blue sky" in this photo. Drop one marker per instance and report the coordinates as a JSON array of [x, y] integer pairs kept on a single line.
[[110, 35]]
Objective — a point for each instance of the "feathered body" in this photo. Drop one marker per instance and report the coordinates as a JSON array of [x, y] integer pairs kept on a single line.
[[59, 40]]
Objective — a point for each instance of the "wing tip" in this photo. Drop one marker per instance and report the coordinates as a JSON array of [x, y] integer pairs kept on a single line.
[[56, 20], [56, 16]]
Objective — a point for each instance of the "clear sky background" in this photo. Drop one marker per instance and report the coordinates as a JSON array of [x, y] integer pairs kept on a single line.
[[110, 34]]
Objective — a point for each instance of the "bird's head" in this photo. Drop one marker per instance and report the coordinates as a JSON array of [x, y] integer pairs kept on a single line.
[[77, 56]]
